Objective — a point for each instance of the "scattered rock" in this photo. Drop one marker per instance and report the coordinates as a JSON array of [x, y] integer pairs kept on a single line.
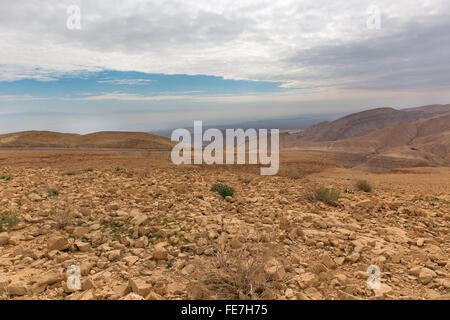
[[17, 288], [426, 275], [57, 243]]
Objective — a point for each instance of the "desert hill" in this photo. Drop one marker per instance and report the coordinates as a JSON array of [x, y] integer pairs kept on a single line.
[[105, 139], [424, 142], [361, 123]]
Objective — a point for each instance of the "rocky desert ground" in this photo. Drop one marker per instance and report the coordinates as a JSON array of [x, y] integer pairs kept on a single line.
[[138, 227]]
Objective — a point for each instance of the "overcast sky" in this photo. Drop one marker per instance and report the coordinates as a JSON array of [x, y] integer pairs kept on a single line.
[[142, 65]]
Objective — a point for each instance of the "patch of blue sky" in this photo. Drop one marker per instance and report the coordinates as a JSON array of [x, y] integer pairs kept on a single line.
[[85, 84]]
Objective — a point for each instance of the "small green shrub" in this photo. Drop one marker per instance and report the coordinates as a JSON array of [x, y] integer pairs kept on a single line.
[[327, 195], [8, 219], [363, 185], [53, 193], [199, 197], [223, 189], [117, 169], [5, 178]]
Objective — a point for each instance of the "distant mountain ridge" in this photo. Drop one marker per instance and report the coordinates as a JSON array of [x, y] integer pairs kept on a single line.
[[425, 142], [361, 123]]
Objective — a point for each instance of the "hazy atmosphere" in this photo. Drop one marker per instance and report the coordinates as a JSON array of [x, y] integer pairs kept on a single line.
[[147, 65]]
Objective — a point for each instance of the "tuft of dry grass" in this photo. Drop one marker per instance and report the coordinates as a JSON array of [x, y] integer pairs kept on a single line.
[[363, 185], [326, 195], [237, 274], [291, 171], [62, 217]]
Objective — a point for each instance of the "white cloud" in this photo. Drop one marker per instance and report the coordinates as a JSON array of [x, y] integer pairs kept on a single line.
[[133, 97], [135, 82], [20, 98], [321, 43]]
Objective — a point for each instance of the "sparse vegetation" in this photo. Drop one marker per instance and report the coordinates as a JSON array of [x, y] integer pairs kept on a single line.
[[223, 190], [117, 232], [63, 218], [290, 171], [363, 185], [431, 200], [199, 197], [117, 169], [6, 178], [9, 220], [52, 193], [237, 274], [327, 195]]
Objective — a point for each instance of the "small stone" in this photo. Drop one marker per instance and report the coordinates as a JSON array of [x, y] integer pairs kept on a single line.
[[87, 284], [57, 243], [328, 262], [361, 275], [153, 296], [18, 288], [383, 290], [114, 255], [313, 293], [190, 268], [140, 287], [159, 252], [85, 267], [113, 206], [83, 246], [14, 241], [138, 220], [426, 275], [34, 196], [132, 296], [49, 278], [141, 242], [130, 260], [289, 293], [308, 279], [4, 237], [353, 257], [341, 278], [420, 242], [235, 243], [80, 231]]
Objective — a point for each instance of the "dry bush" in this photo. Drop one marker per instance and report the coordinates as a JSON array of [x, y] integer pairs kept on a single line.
[[237, 274], [62, 217], [329, 196], [363, 185], [290, 171]]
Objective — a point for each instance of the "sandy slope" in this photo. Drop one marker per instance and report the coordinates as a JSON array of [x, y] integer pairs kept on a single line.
[[106, 139]]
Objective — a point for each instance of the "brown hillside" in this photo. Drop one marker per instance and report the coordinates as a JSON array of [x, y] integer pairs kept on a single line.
[[107, 139], [362, 123], [422, 143]]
